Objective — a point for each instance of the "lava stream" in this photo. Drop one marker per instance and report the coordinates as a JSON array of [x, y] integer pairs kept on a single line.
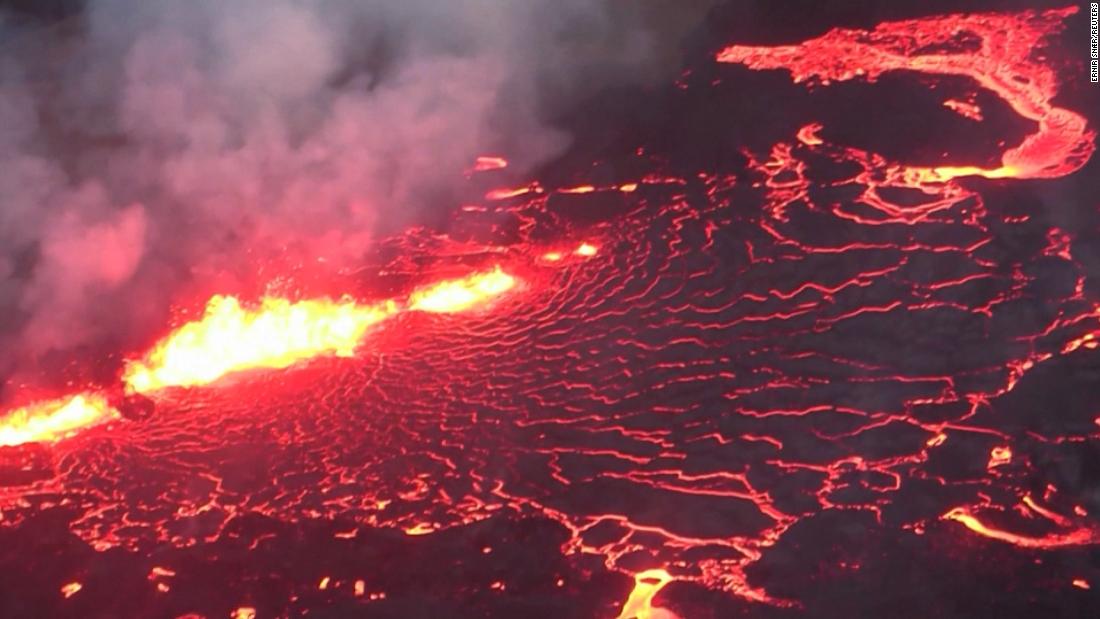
[[457, 295], [1074, 537], [55, 419], [231, 337], [640, 603], [1005, 64]]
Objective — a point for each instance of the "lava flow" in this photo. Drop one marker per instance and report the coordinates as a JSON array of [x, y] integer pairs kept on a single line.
[[461, 294], [229, 338], [800, 378], [1004, 63], [54, 420]]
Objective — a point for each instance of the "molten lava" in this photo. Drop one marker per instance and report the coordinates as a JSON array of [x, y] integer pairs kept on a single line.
[[785, 400], [587, 250], [640, 603], [461, 294], [1072, 537], [278, 333], [230, 338], [1004, 64], [486, 162], [54, 420]]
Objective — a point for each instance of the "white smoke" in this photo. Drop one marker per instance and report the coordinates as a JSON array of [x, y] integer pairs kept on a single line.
[[153, 147]]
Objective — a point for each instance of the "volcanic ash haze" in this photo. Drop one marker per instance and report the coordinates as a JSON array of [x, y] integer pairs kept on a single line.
[[153, 151]]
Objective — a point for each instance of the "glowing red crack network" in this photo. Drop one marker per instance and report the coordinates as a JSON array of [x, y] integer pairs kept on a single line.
[[1061, 145], [1005, 64]]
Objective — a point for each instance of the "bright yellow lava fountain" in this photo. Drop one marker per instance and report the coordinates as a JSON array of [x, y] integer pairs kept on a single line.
[[231, 337]]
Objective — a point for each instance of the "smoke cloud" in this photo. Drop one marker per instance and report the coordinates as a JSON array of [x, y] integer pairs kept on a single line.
[[155, 149]]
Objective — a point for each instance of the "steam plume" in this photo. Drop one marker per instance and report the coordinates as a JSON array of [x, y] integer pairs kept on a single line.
[[154, 148]]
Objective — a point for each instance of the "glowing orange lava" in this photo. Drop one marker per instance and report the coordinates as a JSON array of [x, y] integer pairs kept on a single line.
[[1005, 64], [690, 450], [640, 603], [1074, 537], [999, 456], [278, 333], [461, 294], [486, 162], [230, 338], [507, 192], [586, 250], [962, 108], [54, 420], [579, 189], [808, 135]]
